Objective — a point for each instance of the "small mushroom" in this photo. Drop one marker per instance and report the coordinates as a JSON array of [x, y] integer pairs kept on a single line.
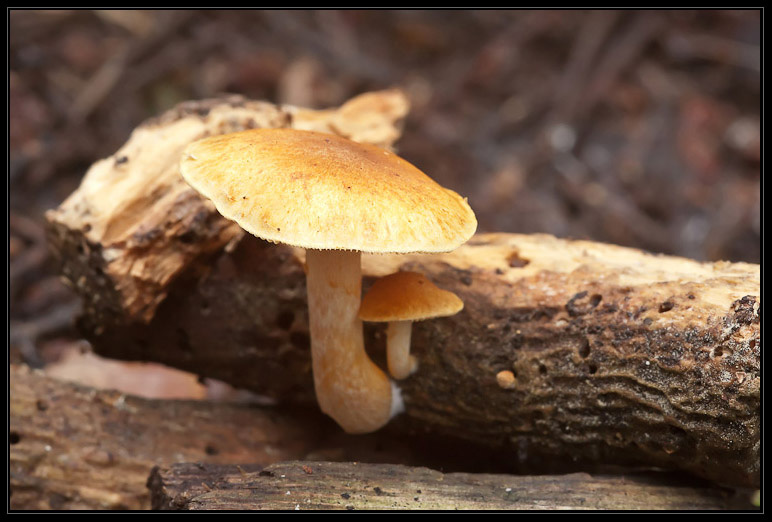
[[335, 198], [400, 299]]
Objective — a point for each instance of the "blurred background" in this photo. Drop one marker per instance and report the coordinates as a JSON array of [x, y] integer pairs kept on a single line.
[[639, 128]]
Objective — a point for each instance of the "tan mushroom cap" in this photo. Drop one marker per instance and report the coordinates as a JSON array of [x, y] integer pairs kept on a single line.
[[407, 296], [321, 191]]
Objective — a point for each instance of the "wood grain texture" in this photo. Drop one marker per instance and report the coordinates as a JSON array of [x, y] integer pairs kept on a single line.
[[378, 487], [77, 447], [661, 372], [138, 223], [73, 447]]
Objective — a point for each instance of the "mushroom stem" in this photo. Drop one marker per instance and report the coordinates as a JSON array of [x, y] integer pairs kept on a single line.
[[401, 363], [350, 388]]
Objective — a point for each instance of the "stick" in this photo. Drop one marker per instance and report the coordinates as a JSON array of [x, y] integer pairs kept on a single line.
[[357, 486]]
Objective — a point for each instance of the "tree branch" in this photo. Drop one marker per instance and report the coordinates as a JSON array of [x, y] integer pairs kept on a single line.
[[357, 486]]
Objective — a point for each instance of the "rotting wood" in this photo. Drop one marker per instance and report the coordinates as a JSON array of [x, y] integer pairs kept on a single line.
[[73, 447], [136, 222], [651, 360], [76, 447], [357, 486], [619, 356]]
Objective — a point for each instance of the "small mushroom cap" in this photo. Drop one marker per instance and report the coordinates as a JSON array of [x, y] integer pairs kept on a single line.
[[321, 191], [407, 296]]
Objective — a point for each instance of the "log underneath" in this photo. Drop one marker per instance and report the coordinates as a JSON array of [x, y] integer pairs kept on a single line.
[[613, 354], [75, 447], [356, 486], [617, 355]]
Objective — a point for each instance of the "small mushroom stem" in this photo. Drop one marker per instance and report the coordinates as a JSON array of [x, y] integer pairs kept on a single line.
[[350, 388], [401, 363]]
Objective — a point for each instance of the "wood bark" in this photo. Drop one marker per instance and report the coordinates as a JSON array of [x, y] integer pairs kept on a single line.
[[73, 447], [356, 486], [77, 447], [139, 225], [616, 355]]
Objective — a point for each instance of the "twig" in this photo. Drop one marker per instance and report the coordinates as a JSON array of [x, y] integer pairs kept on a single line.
[[105, 80], [620, 56], [352, 62], [711, 47], [25, 334], [32, 257], [568, 90]]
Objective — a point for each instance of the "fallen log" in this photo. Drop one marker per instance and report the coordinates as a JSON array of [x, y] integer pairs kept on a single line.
[[568, 352], [73, 447], [138, 225], [356, 486], [77, 447]]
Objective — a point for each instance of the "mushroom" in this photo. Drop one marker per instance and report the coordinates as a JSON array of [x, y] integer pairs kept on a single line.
[[336, 198], [400, 299]]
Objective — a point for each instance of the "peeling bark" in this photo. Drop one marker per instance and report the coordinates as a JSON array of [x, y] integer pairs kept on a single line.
[[137, 225]]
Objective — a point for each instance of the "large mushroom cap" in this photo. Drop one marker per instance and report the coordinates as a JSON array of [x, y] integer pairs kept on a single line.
[[321, 191], [407, 296]]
